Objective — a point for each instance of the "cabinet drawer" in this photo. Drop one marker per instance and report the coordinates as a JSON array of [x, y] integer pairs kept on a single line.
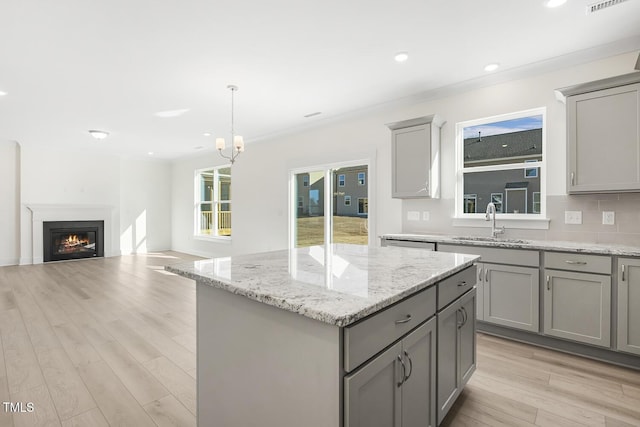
[[451, 288], [496, 255], [365, 338], [578, 262], [409, 244]]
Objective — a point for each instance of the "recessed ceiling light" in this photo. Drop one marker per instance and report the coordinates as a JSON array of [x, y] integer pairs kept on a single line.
[[491, 67], [171, 113], [150, 153], [554, 3], [207, 134], [98, 134], [3, 93], [401, 56]]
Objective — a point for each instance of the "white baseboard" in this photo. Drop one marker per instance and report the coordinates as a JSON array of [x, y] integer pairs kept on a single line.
[[4, 262]]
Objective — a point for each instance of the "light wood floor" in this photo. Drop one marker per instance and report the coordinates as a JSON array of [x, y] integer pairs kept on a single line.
[[112, 342]]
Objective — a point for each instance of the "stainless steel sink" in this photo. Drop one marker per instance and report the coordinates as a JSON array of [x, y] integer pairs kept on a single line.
[[487, 239]]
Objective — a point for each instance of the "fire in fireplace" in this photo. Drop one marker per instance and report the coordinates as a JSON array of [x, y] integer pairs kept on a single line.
[[64, 240]]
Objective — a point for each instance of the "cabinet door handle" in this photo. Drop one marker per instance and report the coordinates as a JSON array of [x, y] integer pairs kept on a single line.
[[410, 366], [480, 274], [573, 178], [460, 323], [462, 283], [548, 287], [464, 316], [623, 272], [576, 262], [404, 371], [405, 320], [486, 275]]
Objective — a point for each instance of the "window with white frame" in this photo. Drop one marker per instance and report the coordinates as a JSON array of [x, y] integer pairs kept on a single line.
[[501, 156], [347, 200], [361, 178], [213, 202], [341, 180]]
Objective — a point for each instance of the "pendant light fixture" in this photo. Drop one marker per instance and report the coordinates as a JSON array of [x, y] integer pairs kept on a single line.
[[237, 143]]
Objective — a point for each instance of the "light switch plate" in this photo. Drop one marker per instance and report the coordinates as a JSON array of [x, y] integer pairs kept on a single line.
[[573, 217], [413, 216], [608, 217]]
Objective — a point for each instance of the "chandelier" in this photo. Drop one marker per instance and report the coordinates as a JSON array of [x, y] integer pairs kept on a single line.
[[237, 143]]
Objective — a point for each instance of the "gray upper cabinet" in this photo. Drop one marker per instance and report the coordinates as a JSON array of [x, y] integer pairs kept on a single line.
[[603, 135], [415, 154], [629, 305]]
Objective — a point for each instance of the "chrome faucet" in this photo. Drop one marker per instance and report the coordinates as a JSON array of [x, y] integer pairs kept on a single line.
[[491, 210]]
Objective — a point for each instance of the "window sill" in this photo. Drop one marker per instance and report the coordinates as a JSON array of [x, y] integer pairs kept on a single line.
[[215, 239], [511, 221]]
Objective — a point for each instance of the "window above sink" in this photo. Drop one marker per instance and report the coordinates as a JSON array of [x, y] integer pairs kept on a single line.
[[501, 160]]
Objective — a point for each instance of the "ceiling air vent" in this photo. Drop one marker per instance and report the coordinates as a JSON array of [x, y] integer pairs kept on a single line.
[[597, 7]]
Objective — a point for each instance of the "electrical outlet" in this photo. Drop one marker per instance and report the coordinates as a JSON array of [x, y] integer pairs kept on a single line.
[[426, 215], [573, 217], [608, 217], [413, 216]]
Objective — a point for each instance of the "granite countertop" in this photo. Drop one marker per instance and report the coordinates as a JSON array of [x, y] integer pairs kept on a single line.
[[502, 242], [336, 284]]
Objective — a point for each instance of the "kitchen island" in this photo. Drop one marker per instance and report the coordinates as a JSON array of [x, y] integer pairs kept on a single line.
[[337, 335]]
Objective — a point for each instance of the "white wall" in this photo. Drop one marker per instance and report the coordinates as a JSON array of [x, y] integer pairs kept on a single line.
[[138, 191], [66, 178], [260, 176], [10, 202], [145, 206]]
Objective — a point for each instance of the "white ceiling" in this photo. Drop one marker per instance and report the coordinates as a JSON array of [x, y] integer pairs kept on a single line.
[[73, 65]]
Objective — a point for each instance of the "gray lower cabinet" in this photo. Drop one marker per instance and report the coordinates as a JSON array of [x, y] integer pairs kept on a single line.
[[397, 388], [511, 295], [577, 306], [456, 350], [629, 305]]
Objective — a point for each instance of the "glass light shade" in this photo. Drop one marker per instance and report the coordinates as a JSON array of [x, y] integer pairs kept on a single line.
[[238, 142], [220, 144]]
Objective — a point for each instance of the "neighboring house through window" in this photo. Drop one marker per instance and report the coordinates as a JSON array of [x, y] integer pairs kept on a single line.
[[341, 180], [213, 202], [498, 157], [347, 200], [361, 178]]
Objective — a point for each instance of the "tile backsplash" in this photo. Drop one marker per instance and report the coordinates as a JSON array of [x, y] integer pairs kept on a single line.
[[624, 231]]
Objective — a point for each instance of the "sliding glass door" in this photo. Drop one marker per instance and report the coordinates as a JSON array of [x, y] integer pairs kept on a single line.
[[330, 205]]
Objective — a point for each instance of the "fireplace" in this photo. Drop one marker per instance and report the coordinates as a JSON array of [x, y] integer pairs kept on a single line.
[[65, 240]]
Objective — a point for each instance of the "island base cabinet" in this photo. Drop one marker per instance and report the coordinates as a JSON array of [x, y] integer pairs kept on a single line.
[[396, 388], [629, 305], [456, 350], [259, 365], [577, 306]]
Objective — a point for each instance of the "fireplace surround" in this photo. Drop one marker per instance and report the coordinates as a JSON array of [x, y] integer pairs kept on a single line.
[[67, 240], [32, 250]]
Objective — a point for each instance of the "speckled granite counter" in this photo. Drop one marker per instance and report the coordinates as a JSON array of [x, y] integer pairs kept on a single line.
[[502, 242], [338, 285]]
